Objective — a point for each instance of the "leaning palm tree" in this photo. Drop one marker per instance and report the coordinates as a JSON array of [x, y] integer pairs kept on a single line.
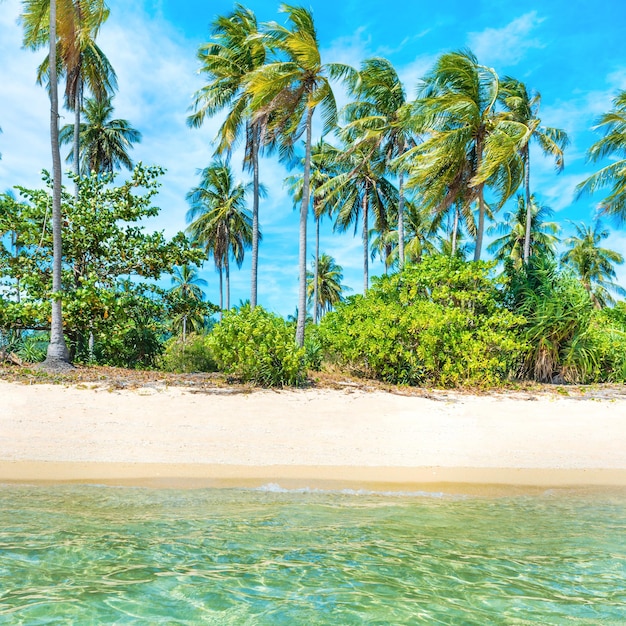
[[468, 147], [523, 107], [593, 264], [286, 93], [381, 117], [513, 231], [329, 291], [613, 145], [235, 51], [104, 142], [219, 220]]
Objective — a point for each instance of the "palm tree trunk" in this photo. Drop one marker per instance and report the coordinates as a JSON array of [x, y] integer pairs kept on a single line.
[[304, 210], [57, 355], [221, 292], [316, 271], [481, 223], [365, 242], [255, 215], [227, 273], [76, 147], [455, 229], [400, 221], [529, 214]]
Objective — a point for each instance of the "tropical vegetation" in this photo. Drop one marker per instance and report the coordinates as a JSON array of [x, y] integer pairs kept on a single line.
[[424, 183]]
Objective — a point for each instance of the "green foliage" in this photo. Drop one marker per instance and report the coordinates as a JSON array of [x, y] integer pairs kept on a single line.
[[191, 355], [257, 346], [437, 323], [568, 340]]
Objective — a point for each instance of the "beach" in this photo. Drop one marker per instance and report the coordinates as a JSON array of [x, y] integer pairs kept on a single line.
[[162, 436]]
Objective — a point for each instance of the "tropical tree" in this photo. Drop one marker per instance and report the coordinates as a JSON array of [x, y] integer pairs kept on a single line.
[[286, 92], [329, 291], [219, 220], [468, 147], [325, 162], [593, 264], [235, 51], [188, 289], [381, 116], [104, 142], [523, 107], [613, 145], [359, 188], [78, 57], [513, 233]]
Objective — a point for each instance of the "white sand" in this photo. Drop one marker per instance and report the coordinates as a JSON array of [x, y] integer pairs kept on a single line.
[[53, 432]]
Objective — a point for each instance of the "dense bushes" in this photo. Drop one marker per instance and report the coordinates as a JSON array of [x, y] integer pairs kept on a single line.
[[191, 355], [437, 323], [568, 339], [257, 346]]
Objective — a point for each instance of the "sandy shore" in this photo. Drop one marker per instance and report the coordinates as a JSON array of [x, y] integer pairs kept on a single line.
[[173, 436]]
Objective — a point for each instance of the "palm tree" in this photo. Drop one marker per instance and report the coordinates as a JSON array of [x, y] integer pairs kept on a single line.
[[219, 220], [523, 108], [104, 142], [57, 355], [237, 50], [592, 263], [328, 291], [381, 117], [513, 231], [360, 188], [79, 58], [286, 93], [324, 164], [188, 286], [468, 147], [613, 144]]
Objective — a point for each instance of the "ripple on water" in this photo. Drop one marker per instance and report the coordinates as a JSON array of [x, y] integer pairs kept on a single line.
[[94, 555]]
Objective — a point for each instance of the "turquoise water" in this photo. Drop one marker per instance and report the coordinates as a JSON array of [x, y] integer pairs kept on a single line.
[[105, 555]]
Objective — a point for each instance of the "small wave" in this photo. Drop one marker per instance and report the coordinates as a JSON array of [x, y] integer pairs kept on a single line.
[[276, 488]]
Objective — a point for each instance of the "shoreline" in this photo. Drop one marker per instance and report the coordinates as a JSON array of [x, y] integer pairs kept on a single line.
[[407, 480], [312, 438]]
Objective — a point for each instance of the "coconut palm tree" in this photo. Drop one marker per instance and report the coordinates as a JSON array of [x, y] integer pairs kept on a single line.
[[78, 58], [219, 220], [381, 117], [286, 93], [613, 145], [523, 107], [359, 189], [511, 243], [57, 355], [329, 291], [235, 51], [188, 286], [593, 264], [104, 142], [325, 163], [468, 147]]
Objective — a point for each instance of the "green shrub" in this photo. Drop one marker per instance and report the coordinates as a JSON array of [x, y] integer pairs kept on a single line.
[[259, 347], [437, 323], [192, 355]]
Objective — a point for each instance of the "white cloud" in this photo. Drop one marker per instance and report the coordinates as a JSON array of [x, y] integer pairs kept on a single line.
[[506, 45]]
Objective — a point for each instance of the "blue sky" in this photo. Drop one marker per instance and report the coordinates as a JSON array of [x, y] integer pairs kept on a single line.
[[569, 50]]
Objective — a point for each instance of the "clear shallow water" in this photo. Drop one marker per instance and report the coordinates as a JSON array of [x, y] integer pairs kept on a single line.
[[103, 555]]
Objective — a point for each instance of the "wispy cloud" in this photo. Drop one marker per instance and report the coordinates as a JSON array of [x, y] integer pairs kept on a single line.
[[506, 45]]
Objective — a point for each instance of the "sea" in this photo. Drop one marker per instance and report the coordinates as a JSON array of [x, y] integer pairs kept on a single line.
[[72, 554]]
